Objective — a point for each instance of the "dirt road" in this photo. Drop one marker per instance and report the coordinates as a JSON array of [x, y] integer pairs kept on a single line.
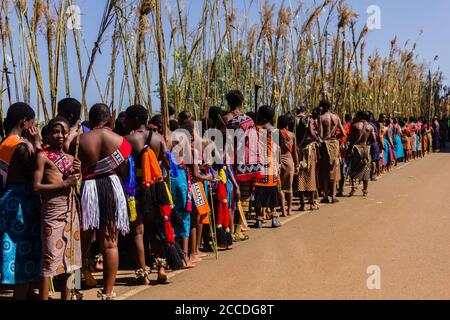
[[402, 228]]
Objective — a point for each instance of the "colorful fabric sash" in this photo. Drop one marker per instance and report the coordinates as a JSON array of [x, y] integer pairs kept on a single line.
[[200, 200], [245, 171], [286, 140], [110, 163], [155, 194], [60, 160], [7, 149], [267, 174]]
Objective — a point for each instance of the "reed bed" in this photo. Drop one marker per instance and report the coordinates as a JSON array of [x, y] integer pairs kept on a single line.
[[294, 53]]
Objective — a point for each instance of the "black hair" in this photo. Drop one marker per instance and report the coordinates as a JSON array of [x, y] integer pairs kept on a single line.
[[156, 121], [172, 109], [283, 122], [348, 117], [235, 99], [17, 112], [188, 125], [290, 120], [98, 114], [70, 109], [265, 114], [173, 125], [214, 113], [55, 121], [45, 133], [184, 115], [301, 108], [362, 115], [251, 114], [138, 112], [325, 105], [119, 127]]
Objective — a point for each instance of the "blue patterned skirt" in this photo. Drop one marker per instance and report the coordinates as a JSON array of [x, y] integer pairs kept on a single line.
[[20, 240]]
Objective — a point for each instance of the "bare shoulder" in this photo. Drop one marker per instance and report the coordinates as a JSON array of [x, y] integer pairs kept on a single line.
[[41, 157], [291, 134], [157, 137], [132, 138], [24, 148]]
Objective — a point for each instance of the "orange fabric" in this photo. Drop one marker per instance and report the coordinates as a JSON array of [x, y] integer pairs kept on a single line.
[[267, 176], [7, 148], [204, 219], [200, 200], [151, 171]]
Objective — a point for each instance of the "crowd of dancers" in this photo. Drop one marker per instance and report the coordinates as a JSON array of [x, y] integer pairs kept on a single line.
[[76, 196]]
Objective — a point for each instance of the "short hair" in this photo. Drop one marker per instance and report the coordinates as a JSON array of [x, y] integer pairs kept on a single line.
[[251, 114], [185, 115], [138, 112], [17, 112], [69, 106], [172, 109], [55, 121], [325, 105], [156, 120], [119, 127], [214, 113], [301, 108], [363, 115], [173, 125], [45, 133], [99, 113], [348, 117], [266, 114], [188, 125], [235, 99], [283, 122]]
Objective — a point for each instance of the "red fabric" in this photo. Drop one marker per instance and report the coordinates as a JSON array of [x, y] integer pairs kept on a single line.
[[223, 217], [287, 140], [166, 212], [125, 148], [60, 160]]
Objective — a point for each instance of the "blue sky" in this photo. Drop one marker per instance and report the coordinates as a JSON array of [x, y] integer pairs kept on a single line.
[[404, 18]]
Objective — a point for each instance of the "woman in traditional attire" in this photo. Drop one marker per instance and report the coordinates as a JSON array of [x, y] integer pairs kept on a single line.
[[289, 162], [20, 252], [55, 180]]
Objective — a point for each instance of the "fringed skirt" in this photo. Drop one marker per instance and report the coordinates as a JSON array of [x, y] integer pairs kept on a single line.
[[103, 202]]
